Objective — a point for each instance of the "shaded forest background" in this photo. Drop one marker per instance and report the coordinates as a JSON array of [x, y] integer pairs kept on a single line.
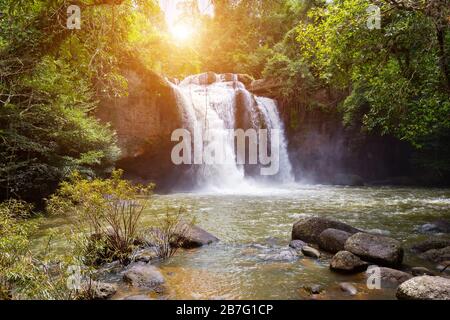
[[393, 81]]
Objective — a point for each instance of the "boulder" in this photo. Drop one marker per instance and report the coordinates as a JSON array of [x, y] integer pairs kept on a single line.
[[333, 240], [430, 244], [438, 226], [391, 278], [99, 290], [349, 288], [347, 262], [425, 288], [309, 229], [297, 244], [437, 255], [143, 276], [311, 252], [378, 249], [190, 237]]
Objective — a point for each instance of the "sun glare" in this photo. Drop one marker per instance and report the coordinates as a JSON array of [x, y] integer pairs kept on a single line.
[[182, 32]]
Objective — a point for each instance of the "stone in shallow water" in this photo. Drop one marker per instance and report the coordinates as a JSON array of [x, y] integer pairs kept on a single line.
[[425, 288], [309, 229], [437, 255], [389, 278], [430, 244], [285, 255], [347, 262], [190, 237], [438, 226], [378, 249], [143, 276], [311, 252], [297, 244], [348, 288], [333, 240]]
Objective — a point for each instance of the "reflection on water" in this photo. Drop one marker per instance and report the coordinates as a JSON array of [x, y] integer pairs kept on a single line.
[[260, 222]]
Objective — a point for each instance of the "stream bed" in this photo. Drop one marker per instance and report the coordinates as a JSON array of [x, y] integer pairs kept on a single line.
[[256, 225]]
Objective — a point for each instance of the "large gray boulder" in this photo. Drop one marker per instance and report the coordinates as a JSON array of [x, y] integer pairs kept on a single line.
[[333, 240], [425, 288], [309, 229], [347, 262], [391, 278], [381, 250], [143, 276], [190, 237]]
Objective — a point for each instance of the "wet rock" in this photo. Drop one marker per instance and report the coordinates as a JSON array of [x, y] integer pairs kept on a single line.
[[347, 262], [437, 255], [351, 180], [430, 244], [421, 271], [285, 255], [297, 244], [333, 240], [438, 226], [311, 252], [425, 288], [382, 250], [309, 229], [391, 278], [190, 237], [314, 289], [100, 290], [146, 255], [143, 276], [348, 288]]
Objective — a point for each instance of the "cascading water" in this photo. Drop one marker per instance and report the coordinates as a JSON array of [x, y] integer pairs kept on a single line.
[[213, 105]]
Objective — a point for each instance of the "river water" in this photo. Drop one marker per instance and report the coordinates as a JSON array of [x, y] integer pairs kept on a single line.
[[255, 225]]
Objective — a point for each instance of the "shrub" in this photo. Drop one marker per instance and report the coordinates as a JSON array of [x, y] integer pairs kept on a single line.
[[108, 209]]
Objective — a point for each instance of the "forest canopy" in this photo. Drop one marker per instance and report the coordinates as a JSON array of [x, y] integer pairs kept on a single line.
[[395, 77]]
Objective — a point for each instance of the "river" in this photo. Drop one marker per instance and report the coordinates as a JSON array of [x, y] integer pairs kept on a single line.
[[255, 225]]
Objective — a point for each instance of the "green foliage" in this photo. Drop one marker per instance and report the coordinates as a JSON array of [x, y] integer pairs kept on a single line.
[[23, 275], [395, 75], [107, 211]]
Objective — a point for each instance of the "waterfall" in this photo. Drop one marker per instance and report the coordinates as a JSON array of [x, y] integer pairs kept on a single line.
[[213, 106]]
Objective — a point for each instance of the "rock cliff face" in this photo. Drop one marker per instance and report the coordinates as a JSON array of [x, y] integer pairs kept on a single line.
[[144, 121]]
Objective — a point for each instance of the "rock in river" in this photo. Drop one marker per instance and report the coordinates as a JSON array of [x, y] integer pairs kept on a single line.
[[430, 244], [190, 237], [349, 288], [389, 278], [347, 262], [143, 276], [297, 244], [425, 288], [381, 250], [437, 255], [309, 229], [311, 252], [438, 226], [333, 240]]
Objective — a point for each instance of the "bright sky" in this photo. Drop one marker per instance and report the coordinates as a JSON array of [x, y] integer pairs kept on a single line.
[[173, 8]]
